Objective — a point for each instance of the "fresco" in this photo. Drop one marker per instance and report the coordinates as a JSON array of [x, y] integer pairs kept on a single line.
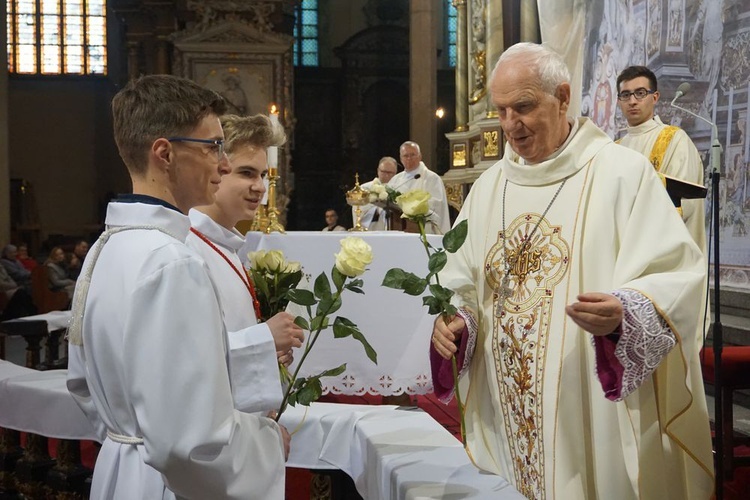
[[704, 43]]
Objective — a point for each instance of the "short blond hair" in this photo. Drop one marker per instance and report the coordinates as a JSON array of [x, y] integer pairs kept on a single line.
[[256, 131]]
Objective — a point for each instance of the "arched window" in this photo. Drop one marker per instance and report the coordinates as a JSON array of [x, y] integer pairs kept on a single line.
[[450, 29], [306, 33], [57, 37]]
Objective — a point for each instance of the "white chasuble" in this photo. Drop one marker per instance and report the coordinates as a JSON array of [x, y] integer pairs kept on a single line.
[[536, 412]]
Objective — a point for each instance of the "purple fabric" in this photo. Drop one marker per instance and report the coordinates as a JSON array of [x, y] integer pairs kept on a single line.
[[442, 371], [608, 367]]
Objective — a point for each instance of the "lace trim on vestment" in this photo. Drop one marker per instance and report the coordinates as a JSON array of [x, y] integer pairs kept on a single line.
[[645, 341]]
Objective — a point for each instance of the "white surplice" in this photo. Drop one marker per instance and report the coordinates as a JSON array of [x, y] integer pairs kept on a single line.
[[535, 409], [427, 180], [253, 364], [681, 160], [153, 367]]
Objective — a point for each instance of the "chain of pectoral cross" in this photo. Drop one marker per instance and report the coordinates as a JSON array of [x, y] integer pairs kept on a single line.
[[505, 291]]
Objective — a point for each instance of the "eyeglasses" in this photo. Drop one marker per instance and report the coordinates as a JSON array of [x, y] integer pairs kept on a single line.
[[217, 144], [386, 172], [638, 93]]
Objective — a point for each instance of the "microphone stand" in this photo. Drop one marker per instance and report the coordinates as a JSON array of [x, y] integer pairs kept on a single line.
[[718, 329]]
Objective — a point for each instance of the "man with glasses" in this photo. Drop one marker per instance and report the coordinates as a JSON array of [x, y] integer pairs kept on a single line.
[[669, 148], [416, 175], [148, 349], [375, 218]]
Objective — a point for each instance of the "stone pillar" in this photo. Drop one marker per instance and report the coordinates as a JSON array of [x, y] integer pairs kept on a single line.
[[530, 22], [423, 32], [4, 140], [495, 44], [462, 67]]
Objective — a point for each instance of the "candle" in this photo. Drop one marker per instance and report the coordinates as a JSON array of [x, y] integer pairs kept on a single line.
[[273, 151]]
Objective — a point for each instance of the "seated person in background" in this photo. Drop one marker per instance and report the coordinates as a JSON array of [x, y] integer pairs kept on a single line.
[[15, 301], [374, 218], [332, 219], [14, 267], [58, 277], [77, 258], [253, 368], [24, 259]]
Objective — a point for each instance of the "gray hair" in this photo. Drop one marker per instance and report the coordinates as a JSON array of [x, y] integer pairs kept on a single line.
[[411, 144], [548, 65], [9, 248]]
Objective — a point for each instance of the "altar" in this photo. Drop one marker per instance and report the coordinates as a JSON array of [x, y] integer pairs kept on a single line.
[[395, 324]]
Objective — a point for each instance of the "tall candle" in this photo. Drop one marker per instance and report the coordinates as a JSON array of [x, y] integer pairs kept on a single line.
[[273, 151]]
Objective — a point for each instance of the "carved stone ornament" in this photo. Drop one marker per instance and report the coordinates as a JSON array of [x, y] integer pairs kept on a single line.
[[211, 12]]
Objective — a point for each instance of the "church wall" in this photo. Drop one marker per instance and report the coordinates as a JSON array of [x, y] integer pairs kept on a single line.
[[705, 43], [61, 142]]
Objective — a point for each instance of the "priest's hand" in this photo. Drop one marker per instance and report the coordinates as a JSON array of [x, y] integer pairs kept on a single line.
[[285, 358], [285, 333], [597, 313], [445, 336]]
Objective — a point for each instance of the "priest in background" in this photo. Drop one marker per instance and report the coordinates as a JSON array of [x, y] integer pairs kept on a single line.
[[373, 217], [668, 148], [148, 349], [579, 292], [253, 367]]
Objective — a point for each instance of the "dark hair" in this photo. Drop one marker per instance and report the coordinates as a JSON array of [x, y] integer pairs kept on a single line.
[[633, 72], [157, 106]]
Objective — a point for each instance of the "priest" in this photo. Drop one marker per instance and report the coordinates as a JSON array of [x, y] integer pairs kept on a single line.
[[579, 291]]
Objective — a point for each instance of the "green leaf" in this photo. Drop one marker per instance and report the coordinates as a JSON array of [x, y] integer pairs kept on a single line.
[[371, 354], [260, 283], [355, 289], [302, 323], [437, 261], [454, 238], [302, 297], [356, 283], [310, 392], [333, 372], [394, 278], [414, 285], [322, 286], [343, 327], [338, 278], [433, 304], [328, 306], [319, 323], [289, 280], [441, 293], [450, 309]]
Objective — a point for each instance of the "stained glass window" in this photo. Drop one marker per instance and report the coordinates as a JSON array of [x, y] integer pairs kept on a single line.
[[306, 33], [451, 23], [53, 37]]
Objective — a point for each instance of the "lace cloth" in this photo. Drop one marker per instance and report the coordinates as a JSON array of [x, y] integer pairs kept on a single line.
[[624, 361]]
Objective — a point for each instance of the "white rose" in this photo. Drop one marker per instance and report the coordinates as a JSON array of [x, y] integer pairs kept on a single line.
[[354, 257], [373, 197], [292, 267], [256, 259], [383, 196], [414, 203], [274, 260]]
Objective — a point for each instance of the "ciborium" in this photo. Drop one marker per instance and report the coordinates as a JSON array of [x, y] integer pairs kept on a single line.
[[356, 197]]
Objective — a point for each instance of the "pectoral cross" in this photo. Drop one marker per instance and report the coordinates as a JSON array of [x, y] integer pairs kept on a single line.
[[503, 293]]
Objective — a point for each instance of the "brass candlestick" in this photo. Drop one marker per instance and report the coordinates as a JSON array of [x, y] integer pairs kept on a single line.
[[273, 213], [356, 197], [260, 221]]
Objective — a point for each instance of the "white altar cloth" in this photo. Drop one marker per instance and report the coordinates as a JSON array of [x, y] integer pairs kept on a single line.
[[395, 324], [39, 402], [56, 320], [389, 453]]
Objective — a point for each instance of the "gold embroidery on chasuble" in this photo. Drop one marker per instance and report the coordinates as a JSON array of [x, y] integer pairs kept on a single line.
[[520, 336]]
